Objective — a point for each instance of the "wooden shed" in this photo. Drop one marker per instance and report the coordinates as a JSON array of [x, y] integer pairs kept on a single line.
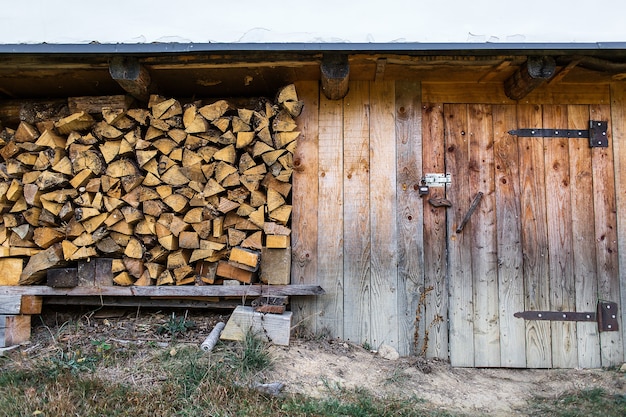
[[438, 191]]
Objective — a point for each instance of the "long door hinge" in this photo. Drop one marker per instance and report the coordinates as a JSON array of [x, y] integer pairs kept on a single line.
[[605, 316], [597, 133]]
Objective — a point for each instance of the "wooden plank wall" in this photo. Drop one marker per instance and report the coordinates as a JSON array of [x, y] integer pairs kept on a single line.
[[393, 266], [364, 212]]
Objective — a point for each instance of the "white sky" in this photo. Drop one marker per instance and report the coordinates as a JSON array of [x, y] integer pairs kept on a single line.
[[317, 21]]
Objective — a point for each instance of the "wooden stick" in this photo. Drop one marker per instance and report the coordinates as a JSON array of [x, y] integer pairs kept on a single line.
[[211, 340], [473, 206]]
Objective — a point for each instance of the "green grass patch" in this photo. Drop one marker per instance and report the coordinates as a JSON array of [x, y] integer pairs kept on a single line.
[[585, 403]]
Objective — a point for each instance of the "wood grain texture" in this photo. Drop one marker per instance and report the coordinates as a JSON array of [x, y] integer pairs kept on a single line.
[[461, 314], [493, 93], [434, 299], [357, 244], [410, 213], [384, 235], [483, 237], [583, 243], [305, 205], [510, 269], [330, 217], [560, 251], [611, 343], [618, 118], [534, 238]]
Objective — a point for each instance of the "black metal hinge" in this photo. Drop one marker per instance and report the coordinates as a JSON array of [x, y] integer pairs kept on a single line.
[[597, 133], [605, 316]]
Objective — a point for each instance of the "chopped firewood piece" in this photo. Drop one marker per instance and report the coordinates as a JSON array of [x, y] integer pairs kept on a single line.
[[121, 168], [227, 205], [25, 132], [215, 110], [134, 266], [277, 241], [274, 200], [74, 122], [227, 270], [271, 228], [134, 249], [49, 139], [45, 237], [281, 214], [123, 279], [245, 257], [178, 258], [254, 241], [34, 271], [282, 139], [188, 240], [235, 237], [258, 217], [165, 278]]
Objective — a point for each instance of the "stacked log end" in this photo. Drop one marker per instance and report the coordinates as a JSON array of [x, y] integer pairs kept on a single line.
[[174, 193]]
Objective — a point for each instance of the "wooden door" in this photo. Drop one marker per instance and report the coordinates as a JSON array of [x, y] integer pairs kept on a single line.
[[543, 237]]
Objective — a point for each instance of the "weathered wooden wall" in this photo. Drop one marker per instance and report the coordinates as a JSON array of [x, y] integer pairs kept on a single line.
[[547, 235]]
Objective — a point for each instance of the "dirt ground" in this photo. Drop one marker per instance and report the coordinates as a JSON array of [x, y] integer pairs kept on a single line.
[[312, 366]]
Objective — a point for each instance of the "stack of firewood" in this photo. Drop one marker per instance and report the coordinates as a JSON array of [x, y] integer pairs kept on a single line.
[[176, 194]]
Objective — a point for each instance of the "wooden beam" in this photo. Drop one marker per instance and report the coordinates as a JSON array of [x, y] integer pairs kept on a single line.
[[530, 75], [133, 77], [166, 291], [335, 71]]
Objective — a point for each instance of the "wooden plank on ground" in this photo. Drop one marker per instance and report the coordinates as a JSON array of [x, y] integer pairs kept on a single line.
[[410, 213], [304, 215], [618, 123], [14, 329], [434, 297], [534, 238], [482, 230], [384, 236], [244, 321], [509, 250], [611, 343], [560, 251], [356, 228], [583, 244], [461, 311], [330, 216]]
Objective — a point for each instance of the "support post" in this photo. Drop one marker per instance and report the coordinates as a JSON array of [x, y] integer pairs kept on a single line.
[[530, 75], [335, 71], [131, 76]]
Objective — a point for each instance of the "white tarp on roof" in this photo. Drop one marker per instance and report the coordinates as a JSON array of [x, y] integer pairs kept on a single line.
[[318, 21]]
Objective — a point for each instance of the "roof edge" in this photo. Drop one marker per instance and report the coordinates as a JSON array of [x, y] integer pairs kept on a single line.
[[410, 48]]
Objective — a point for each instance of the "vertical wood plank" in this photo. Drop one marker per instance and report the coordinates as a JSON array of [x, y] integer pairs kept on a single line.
[[305, 204], [434, 292], [583, 242], [534, 238], [460, 260], [611, 344], [410, 213], [330, 217], [482, 229], [618, 122], [510, 270], [560, 256], [356, 178], [384, 236]]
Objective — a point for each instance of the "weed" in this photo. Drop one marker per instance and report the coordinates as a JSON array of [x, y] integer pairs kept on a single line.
[[585, 403], [366, 345], [72, 362], [249, 357], [176, 326], [101, 345], [398, 376]]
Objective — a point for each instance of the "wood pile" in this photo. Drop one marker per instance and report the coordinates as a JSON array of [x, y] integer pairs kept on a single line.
[[176, 193]]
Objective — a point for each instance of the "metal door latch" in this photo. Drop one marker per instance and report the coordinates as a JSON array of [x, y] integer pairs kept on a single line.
[[605, 316], [436, 180], [597, 133]]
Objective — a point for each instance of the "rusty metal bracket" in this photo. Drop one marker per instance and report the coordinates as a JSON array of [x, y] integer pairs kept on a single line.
[[605, 316], [597, 133]]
